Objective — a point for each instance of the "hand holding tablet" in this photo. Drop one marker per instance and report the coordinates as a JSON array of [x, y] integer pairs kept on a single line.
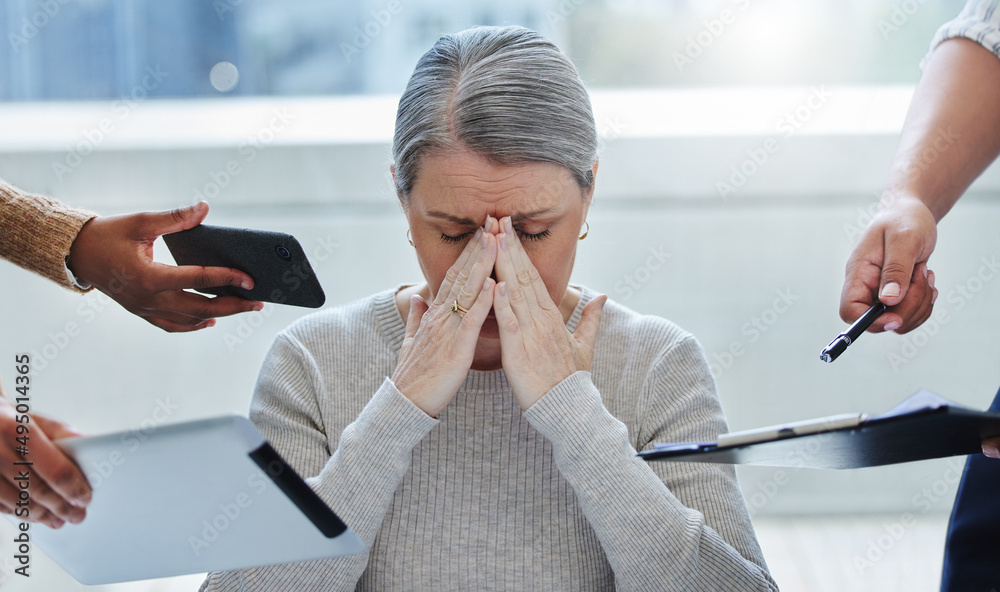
[[199, 496]]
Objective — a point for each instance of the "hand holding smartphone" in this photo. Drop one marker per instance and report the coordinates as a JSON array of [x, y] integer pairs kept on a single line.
[[276, 262]]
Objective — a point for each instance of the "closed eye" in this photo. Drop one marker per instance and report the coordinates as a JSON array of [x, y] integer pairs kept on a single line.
[[455, 239], [533, 237]]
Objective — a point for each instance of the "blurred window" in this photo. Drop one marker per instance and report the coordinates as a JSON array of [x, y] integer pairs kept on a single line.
[[106, 49]]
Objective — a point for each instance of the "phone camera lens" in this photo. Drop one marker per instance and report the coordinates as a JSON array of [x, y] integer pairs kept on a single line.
[[283, 252]]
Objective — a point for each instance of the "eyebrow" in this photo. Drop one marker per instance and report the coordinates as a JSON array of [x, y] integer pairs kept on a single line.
[[469, 222]]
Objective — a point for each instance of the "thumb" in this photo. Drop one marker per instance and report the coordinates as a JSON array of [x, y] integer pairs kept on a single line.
[[897, 268], [590, 322], [417, 309], [176, 220], [991, 447]]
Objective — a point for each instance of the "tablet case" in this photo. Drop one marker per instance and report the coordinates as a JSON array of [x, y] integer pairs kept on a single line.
[[276, 262], [192, 497], [921, 427]]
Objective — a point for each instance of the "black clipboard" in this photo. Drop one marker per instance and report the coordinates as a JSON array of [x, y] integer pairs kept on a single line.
[[923, 426]]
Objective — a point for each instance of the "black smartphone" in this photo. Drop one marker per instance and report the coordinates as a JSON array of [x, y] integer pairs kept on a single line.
[[276, 262]]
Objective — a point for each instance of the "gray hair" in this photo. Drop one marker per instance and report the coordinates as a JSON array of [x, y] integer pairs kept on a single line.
[[506, 93]]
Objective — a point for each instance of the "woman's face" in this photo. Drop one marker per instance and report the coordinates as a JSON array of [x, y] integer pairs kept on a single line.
[[455, 191]]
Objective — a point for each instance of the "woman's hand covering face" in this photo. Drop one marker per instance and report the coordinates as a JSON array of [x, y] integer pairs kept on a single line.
[[538, 352], [440, 343]]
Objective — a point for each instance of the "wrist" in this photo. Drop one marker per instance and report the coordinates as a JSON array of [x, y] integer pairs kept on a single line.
[[910, 197], [897, 202], [77, 261], [413, 394]]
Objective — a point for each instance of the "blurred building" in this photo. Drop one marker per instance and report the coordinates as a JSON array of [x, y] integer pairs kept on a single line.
[[104, 49]]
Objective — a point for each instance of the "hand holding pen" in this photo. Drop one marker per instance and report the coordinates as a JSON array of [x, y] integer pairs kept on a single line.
[[888, 286], [889, 263]]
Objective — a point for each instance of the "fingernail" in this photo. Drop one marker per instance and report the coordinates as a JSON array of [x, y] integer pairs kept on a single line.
[[479, 233], [503, 242], [502, 287], [246, 284], [509, 225], [489, 223], [890, 290], [892, 326], [930, 279], [56, 523], [258, 306], [486, 284], [484, 238], [925, 272], [990, 449]]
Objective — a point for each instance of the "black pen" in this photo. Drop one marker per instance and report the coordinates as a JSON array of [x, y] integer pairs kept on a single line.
[[840, 343]]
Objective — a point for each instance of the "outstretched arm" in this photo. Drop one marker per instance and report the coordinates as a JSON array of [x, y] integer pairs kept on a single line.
[[79, 250], [951, 134], [115, 255]]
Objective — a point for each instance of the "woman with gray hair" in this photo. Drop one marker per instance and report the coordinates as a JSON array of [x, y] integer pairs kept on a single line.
[[478, 430]]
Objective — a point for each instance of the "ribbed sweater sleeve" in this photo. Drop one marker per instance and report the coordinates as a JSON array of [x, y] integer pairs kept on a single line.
[[36, 233], [358, 481], [652, 541]]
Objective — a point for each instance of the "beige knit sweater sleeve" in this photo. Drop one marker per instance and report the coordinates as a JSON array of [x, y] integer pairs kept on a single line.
[[36, 232]]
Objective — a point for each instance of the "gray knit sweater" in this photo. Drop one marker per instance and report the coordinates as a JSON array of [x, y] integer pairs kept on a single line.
[[487, 497]]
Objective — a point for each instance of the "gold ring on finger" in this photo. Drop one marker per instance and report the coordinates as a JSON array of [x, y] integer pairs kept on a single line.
[[458, 309]]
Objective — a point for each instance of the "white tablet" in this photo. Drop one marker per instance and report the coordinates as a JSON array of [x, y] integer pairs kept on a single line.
[[187, 498]]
